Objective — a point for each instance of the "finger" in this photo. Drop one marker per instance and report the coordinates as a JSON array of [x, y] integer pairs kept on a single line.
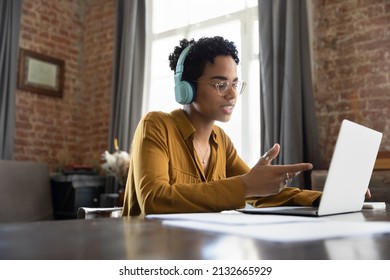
[[264, 159], [287, 178], [282, 186], [284, 180], [270, 154], [295, 174], [290, 175], [368, 193], [274, 151], [293, 168]]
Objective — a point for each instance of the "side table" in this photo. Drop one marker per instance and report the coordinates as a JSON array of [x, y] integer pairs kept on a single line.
[[69, 192]]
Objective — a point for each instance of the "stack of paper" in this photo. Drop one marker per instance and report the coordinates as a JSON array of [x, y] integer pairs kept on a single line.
[[275, 228]]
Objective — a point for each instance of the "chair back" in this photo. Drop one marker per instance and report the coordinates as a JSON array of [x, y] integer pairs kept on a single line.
[[25, 193]]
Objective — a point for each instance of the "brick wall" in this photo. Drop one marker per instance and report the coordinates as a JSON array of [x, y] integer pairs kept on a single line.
[[72, 129], [351, 66], [97, 78]]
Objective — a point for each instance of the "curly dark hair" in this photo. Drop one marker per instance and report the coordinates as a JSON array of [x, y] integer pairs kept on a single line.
[[202, 51]]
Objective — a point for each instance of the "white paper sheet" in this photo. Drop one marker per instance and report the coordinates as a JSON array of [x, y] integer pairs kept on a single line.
[[290, 232], [374, 205], [233, 218], [277, 228]]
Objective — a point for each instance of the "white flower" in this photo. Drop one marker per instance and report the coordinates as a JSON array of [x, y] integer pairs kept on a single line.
[[116, 164]]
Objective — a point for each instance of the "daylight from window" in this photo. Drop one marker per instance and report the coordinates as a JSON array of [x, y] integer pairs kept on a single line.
[[169, 21]]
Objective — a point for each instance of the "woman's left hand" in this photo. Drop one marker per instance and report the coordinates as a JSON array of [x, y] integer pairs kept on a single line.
[[368, 194]]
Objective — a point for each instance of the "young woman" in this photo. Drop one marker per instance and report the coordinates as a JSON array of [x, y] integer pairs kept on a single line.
[[182, 162]]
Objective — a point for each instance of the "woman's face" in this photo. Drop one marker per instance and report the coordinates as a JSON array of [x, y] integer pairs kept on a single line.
[[209, 104]]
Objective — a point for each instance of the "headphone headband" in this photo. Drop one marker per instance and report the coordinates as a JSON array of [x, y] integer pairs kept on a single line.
[[180, 61]]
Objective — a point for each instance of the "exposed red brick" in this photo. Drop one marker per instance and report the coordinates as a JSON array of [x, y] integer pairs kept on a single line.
[[56, 130], [351, 63]]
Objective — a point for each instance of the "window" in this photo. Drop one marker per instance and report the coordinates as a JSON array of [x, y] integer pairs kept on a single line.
[[169, 21]]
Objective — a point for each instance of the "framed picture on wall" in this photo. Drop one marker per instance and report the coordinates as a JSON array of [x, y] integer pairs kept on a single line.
[[40, 73]]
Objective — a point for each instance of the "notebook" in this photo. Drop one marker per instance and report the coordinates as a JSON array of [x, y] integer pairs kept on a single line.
[[348, 176]]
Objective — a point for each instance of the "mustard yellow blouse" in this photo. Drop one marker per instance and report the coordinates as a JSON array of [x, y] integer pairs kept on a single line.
[[165, 176]]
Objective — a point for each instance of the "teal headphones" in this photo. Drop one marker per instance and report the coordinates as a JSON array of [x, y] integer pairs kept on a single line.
[[184, 91]]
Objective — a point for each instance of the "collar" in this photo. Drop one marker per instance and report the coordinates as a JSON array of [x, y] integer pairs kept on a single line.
[[186, 127]]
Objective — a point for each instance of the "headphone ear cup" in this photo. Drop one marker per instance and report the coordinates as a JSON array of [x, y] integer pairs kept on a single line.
[[184, 92]]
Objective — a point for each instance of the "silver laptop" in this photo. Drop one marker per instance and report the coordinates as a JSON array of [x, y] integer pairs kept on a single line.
[[348, 176]]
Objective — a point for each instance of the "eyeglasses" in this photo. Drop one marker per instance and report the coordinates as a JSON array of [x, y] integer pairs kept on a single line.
[[222, 87]]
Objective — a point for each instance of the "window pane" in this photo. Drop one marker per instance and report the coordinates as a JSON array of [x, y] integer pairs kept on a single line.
[[161, 86], [207, 9], [255, 36], [251, 3], [229, 30], [160, 54], [169, 14], [162, 95], [172, 14]]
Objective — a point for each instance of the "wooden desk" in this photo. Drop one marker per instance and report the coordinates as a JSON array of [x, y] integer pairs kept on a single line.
[[134, 238]]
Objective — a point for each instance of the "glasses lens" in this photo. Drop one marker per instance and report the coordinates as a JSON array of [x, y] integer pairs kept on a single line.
[[223, 87], [240, 86], [237, 86]]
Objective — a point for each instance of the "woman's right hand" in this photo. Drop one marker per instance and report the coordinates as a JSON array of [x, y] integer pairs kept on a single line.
[[265, 179]]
